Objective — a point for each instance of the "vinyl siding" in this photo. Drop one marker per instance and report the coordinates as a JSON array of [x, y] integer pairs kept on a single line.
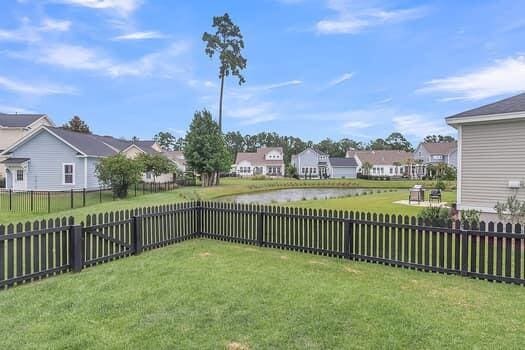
[[492, 154], [92, 179], [47, 155]]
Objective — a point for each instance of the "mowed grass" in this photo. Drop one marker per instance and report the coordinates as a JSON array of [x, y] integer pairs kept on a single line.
[[228, 187], [383, 202], [205, 294]]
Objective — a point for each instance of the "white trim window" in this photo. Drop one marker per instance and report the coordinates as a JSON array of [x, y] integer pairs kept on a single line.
[[19, 175], [68, 174]]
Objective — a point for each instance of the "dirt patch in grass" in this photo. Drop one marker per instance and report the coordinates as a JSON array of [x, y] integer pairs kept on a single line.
[[316, 262], [237, 346], [352, 270], [205, 254], [284, 257]]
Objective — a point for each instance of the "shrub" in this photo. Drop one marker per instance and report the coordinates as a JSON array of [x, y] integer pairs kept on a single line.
[[119, 172], [436, 216], [470, 217], [440, 185]]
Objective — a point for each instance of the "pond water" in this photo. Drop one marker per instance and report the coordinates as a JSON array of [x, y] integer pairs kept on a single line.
[[294, 194]]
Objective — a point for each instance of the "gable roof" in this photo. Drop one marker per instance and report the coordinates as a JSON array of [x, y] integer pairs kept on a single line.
[[385, 157], [440, 147], [18, 120], [343, 162], [258, 157], [512, 104], [88, 144], [175, 156]]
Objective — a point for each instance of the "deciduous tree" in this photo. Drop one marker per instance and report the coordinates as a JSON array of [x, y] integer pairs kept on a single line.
[[205, 150], [119, 172]]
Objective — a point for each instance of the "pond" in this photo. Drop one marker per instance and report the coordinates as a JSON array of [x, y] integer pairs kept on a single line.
[[294, 194]]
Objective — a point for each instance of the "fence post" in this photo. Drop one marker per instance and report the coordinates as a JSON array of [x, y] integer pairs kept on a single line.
[[198, 224], [137, 234], [75, 240], [84, 197], [260, 217], [10, 199], [49, 201], [72, 203], [31, 199], [348, 238], [464, 251]]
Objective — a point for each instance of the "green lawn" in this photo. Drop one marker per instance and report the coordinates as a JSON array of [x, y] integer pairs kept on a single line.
[[205, 294], [232, 186], [377, 202]]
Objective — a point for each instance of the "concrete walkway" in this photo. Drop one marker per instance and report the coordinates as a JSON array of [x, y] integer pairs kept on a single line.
[[424, 204]]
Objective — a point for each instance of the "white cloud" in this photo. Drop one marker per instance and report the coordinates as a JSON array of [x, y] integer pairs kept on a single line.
[[419, 126], [341, 79], [160, 63], [357, 124], [250, 114], [141, 36], [50, 24], [503, 77], [34, 88], [14, 109], [29, 33], [196, 83], [352, 18], [279, 85], [123, 7]]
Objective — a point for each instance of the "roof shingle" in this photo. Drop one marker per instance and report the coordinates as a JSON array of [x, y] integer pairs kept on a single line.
[[508, 105], [18, 120]]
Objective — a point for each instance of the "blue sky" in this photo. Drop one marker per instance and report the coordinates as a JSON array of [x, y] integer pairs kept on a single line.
[[316, 68]]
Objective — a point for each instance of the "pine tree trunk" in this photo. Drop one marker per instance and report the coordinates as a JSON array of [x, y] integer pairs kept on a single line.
[[220, 103]]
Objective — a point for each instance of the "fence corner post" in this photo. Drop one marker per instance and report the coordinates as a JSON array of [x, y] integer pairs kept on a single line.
[[76, 262], [260, 218], [137, 234], [348, 237]]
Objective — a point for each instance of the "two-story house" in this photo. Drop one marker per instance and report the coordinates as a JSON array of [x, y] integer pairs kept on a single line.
[[314, 164], [14, 126], [265, 161], [437, 153]]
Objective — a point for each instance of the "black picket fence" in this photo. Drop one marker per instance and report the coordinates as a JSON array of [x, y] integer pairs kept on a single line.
[[51, 201], [491, 251]]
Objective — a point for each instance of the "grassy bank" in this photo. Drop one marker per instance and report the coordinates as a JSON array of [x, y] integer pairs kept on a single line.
[[228, 187], [210, 295]]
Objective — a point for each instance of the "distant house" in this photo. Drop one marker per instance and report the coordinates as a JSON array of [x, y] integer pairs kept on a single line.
[[342, 168], [14, 126], [311, 163], [491, 154], [386, 163], [437, 153], [53, 159], [267, 161], [178, 158], [314, 164]]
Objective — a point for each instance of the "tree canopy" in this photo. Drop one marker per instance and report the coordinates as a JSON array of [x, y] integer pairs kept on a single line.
[[206, 151], [118, 172], [438, 139], [156, 164], [77, 125], [168, 142]]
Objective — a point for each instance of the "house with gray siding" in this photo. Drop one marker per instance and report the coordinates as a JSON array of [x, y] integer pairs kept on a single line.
[[314, 164], [433, 153], [54, 159], [491, 154]]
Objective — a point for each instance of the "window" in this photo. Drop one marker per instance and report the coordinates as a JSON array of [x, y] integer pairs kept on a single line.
[[148, 175], [20, 175], [69, 174]]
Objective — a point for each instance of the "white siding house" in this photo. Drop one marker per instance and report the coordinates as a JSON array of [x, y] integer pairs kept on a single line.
[[491, 154], [267, 161]]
